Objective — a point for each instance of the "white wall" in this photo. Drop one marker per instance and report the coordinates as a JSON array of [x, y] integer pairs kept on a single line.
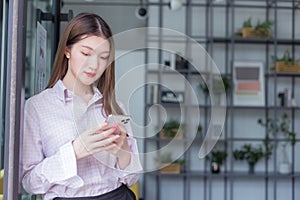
[[122, 18]]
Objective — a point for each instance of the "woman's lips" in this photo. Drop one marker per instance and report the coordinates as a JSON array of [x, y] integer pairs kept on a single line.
[[90, 75]]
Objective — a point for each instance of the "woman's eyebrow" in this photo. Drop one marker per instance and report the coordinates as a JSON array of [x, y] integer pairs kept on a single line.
[[90, 48], [87, 47]]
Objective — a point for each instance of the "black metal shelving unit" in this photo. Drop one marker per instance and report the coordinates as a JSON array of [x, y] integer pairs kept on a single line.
[[230, 43]]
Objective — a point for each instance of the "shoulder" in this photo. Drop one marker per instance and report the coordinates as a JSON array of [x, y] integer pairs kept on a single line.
[[44, 97], [38, 97]]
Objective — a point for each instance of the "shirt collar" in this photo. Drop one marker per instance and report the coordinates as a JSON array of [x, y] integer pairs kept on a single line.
[[64, 94]]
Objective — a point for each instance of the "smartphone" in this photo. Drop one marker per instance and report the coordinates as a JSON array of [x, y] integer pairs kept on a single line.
[[120, 120]]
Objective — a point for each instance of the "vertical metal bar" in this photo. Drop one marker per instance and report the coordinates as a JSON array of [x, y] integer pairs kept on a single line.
[[293, 95], [56, 27], [160, 25], [230, 103], [144, 178], [188, 32], [206, 109], [267, 103], [275, 96], [3, 78], [15, 96], [232, 45]]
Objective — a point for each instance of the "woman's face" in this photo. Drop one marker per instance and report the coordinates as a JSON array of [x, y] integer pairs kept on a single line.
[[88, 59]]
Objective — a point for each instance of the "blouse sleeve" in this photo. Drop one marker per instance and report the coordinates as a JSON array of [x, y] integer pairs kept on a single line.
[[40, 173]]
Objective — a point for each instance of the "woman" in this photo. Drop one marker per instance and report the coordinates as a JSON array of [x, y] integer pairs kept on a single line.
[[67, 151]]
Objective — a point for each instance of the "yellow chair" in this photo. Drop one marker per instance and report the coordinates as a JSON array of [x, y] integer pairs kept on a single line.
[[135, 190], [1, 183]]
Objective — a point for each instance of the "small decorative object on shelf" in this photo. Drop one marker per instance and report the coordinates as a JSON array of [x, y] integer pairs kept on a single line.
[[285, 166], [249, 153], [248, 83], [217, 158], [180, 62], [172, 129], [286, 64], [171, 97], [169, 166], [286, 98], [281, 126], [261, 30]]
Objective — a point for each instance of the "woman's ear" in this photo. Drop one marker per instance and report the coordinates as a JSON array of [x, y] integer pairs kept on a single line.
[[67, 53]]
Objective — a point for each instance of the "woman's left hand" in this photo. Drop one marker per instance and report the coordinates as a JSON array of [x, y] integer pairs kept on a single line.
[[121, 150]]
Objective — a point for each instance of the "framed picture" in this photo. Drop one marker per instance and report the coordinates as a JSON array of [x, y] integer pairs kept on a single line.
[[248, 81], [171, 97]]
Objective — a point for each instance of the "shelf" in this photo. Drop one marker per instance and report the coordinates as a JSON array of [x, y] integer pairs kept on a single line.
[[228, 107], [244, 174], [240, 40], [273, 75], [216, 35]]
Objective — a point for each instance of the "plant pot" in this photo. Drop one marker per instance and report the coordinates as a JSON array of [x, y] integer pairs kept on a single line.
[[248, 32], [251, 169], [173, 168], [177, 134], [284, 67], [215, 167], [285, 168]]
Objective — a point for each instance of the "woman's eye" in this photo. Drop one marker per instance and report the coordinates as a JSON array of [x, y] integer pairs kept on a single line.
[[104, 57], [85, 54]]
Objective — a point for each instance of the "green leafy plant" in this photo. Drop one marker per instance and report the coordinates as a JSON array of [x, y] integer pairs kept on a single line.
[[247, 23], [171, 128], [218, 156], [217, 85], [286, 58], [165, 158], [261, 30], [279, 126], [249, 153]]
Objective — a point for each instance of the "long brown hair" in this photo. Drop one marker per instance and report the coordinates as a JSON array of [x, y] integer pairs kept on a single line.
[[81, 26]]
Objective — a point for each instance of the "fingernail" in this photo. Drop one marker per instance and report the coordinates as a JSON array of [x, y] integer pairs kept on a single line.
[[116, 127]]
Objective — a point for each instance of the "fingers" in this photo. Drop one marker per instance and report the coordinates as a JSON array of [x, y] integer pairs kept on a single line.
[[98, 128], [101, 141]]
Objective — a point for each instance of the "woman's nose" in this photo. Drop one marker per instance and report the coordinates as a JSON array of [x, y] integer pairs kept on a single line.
[[93, 62]]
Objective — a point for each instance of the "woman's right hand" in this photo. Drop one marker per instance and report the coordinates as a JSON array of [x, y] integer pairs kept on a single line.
[[95, 140]]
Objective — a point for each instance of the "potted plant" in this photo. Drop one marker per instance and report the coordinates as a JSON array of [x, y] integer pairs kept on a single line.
[[250, 154], [248, 31], [285, 64], [217, 85], [217, 158], [261, 30], [281, 127], [172, 129], [168, 165]]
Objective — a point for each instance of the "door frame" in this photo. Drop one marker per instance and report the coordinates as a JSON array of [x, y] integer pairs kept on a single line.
[[15, 92]]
